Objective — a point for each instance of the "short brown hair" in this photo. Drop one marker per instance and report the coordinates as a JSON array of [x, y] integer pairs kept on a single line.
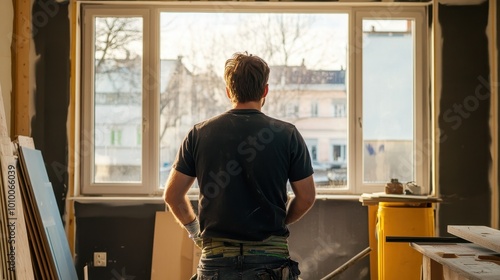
[[246, 77]]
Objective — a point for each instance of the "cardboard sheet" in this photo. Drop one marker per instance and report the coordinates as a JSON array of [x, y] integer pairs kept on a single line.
[[174, 254]]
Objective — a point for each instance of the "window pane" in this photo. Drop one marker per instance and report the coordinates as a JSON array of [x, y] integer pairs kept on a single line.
[[118, 99], [388, 100], [307, 57]]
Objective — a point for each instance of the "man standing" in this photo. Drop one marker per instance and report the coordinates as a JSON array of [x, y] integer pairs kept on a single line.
[[242, 160]]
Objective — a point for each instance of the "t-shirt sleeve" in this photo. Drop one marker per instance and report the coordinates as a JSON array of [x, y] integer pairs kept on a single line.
[[184, 161], [300, 160]]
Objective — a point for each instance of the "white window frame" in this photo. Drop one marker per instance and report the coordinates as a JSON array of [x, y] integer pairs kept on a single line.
[[422, 149], [146, 186], [150, 11]]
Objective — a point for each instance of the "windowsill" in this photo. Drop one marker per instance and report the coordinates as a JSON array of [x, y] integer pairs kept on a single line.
[[353, 197], [159, 199], [119, 200]]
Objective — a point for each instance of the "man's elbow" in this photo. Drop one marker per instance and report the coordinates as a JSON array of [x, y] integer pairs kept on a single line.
[[305, 191], [169, 197], [310, 194], [166, 197], [306, 200], [310, 199]]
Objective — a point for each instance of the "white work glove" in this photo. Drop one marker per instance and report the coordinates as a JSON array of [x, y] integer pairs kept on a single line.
[[193, 228]]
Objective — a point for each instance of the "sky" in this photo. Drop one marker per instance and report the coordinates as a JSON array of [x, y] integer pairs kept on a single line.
[[211, 38]]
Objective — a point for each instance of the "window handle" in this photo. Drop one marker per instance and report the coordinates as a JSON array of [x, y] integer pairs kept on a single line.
[[360, 122], [145, 125]]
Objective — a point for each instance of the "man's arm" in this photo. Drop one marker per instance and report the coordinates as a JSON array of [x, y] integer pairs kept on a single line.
[[305, 195], [175, 196]]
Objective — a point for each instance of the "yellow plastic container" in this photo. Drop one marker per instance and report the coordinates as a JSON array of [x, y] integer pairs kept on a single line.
[[397, 260]]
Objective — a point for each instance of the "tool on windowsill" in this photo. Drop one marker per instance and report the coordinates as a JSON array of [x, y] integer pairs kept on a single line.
[[394, 187], [412, 188]]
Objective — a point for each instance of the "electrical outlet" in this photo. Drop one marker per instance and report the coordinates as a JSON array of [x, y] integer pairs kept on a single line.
[[100, 259]]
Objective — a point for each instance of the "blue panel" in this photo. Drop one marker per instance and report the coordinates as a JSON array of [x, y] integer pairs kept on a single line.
[[49, 213]]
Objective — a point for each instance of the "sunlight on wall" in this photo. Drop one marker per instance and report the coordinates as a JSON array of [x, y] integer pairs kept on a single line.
[[6, 25]]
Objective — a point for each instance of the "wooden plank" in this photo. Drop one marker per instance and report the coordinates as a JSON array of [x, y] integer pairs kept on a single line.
[[52, 228], [461, 260], [482, 235], [7, 273], [25, 141], [18, 237], [375, 198], [8, 266], [73, 124], [431, 269], [21, 89], [348, 264]]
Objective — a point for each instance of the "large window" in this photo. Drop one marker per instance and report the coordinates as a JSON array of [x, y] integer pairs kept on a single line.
[[351, 80]]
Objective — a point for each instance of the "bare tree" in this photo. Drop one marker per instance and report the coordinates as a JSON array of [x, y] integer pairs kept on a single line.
[[118, 59], [172, 107], [116, 39], [284, 40]]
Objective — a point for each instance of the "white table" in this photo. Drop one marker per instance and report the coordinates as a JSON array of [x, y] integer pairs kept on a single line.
[[457, 261]]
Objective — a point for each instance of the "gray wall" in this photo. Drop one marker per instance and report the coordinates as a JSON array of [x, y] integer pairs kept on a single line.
[[52, 72], [333, 232], [464, 159]]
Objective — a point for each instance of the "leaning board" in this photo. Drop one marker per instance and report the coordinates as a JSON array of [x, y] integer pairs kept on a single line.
[[481, 235], [18, 238], [47, 215]]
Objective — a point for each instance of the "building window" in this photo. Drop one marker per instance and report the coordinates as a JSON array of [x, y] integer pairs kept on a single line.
[[314, 109], [116, 137], [312, 146], [339, 153], [155, 70], [339, 110], [138, 134], [292, 110]]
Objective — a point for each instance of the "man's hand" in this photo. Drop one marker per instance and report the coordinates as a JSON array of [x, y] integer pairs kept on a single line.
[[305, 195], [193, 228]]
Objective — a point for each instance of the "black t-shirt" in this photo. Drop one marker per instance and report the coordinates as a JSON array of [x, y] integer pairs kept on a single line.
[[242, 160]]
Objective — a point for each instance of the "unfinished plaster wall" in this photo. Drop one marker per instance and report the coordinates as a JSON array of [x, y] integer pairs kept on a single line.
[[51, 94], [464, 154], [497, 13], [6, 27]]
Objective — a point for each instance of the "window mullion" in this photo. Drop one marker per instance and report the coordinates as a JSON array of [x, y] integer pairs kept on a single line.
[[152, 76]]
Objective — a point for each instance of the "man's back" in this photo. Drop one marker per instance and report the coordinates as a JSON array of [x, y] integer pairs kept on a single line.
[[242, 160]]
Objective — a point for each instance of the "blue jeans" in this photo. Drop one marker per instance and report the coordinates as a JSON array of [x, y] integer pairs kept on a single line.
[[247, 267]]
